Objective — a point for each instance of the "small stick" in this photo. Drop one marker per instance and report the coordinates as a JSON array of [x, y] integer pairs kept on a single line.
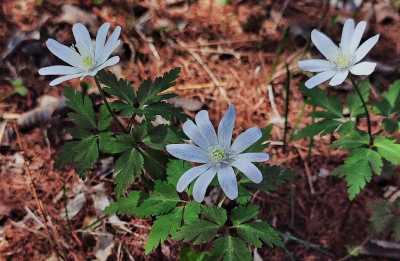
[[287, 89]]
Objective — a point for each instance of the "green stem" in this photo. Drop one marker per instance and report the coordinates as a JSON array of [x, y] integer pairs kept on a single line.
[[311, 142], [287, 89], [371, 137], [103, 95]]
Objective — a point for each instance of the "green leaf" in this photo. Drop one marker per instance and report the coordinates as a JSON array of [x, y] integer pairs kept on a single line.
[[191, 212], [83, 107], [129, 165], [393, 95], [358, 168], [320, 128], [155, 162], [19, 87], [214, 214], [111, 144], [117, 87], [352, 140], [231, 249], [105, 118], [390, 125], [162, 200], [188, 254], [199, 231], [355, 105], [258, 232], [244, 214], [126, 205], [175, 169], [162, 227], [160, 136], [388, 149], [261, 144], [273, 178], [319, 98]]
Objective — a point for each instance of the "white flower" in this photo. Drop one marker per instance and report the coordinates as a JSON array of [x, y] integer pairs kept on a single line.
[[217, 154], [88, 59], [340, 60]]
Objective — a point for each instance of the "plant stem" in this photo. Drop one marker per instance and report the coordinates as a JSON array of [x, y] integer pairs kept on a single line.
[[103, 95], [287, 89], [311, 142], [355, 85]]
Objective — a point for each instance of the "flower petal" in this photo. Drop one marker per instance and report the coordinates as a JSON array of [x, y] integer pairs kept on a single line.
[[110, 62], [347, 35], [319, 78], [205, 127], [192, 131], [324, 44], [227, 180], [357, 35], [339, 77], [202, 183], [64, 78], [189, 176], [364, 48], [246, 139], [101, 40], [363, 68], [59, 70], [249, 170], [253, 156], [63, 52], [111, 44], [225, 127], [315, 65], [82, 39], [187, 152]]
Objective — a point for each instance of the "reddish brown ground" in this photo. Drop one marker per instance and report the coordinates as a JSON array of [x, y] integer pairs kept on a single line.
[[227, 55]]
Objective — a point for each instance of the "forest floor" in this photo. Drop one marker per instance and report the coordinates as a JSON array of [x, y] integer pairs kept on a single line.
[[234, 53]]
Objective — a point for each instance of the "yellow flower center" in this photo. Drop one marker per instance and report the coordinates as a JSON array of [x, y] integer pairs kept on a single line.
[[342, 61], [87, 62], [217, 154]]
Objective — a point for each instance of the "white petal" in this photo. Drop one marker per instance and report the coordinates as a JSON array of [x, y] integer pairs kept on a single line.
[[324, 44], [63, 52], [187, 152], [339, 77], [249, 170], [364, 48], [319, 78], [202, 183], [253, 156], [189, 176], [64, 78], [347, 35], [246, 139], [227, 180], [225, 127], [357, 35], [193, 132], [205, 126], [101, 40], [82, 39], [316, 65], [111, 44], [110, 62], [59, 70], [363, 68]]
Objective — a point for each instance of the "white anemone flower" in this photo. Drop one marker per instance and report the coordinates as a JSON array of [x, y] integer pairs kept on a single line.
[[340, 60], [217, 155], [87, 58]]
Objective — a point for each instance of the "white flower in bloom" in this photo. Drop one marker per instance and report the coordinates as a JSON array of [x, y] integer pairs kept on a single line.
[[217, 154], [87, 58], [340, 60]]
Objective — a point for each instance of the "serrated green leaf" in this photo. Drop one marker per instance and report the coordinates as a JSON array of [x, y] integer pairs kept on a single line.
[[244, 214], [319, 98], [388, 149], [105, 118], [162, 200], [111, 144], [355, 105], [127, 167], [191, 212], [393, 95], [188, 254], [125, 206], [162, 227], [214, 214], [230, 248], [200, 231], [352, 140], [155, 163], [86, 154], [319, 128], [83, 107], [390, 125], [117, 87], [258, 232], [160, 136], [175, 169]]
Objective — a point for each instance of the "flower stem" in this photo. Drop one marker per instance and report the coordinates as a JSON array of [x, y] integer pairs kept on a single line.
[[103, 95], [355, 85]]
